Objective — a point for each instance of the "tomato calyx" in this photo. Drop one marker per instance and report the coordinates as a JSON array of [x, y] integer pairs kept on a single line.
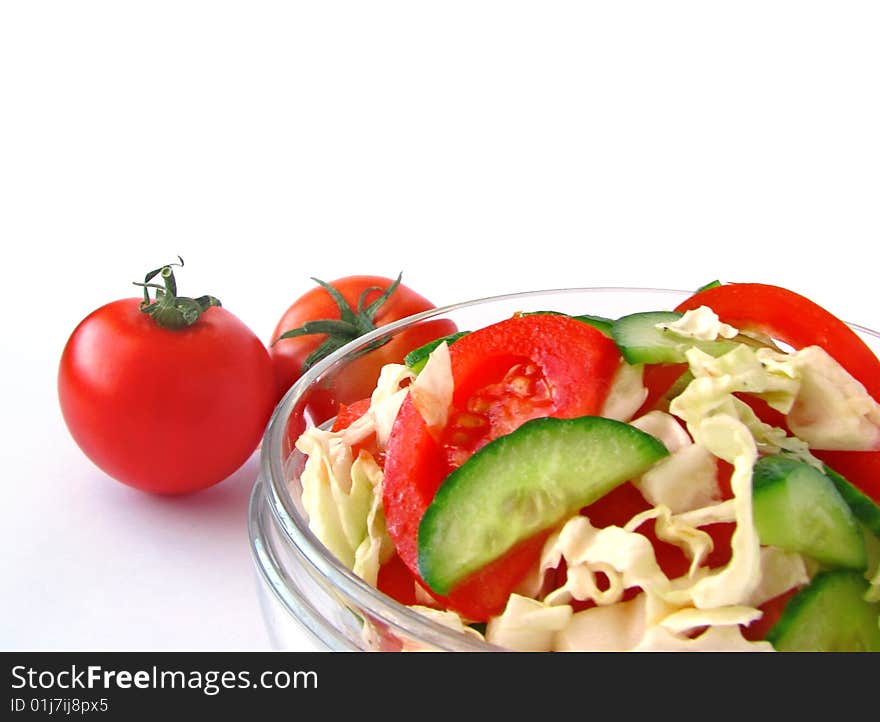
[[168, 309], [351, 324]]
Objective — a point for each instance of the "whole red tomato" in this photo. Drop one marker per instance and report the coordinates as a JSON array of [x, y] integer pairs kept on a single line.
[[168, 397], [330, 315]]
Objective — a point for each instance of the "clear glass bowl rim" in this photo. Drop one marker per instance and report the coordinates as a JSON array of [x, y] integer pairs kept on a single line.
[[271, 490]]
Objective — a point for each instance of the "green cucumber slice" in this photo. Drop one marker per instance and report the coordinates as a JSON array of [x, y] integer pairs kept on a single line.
[[523, 483], [418, 357], [640, 341], [863, 506], [798, 508], [829, 615], [598, 322]]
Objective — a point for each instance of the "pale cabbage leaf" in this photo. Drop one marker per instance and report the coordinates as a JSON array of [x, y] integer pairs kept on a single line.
[[627, 392], [527, 625], [701, 324]]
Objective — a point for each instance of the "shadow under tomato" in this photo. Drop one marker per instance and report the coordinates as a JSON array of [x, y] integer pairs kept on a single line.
[[223, 506]]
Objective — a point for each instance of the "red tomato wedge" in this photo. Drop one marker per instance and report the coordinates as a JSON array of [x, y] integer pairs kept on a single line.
[[799, 322], [505, 374]]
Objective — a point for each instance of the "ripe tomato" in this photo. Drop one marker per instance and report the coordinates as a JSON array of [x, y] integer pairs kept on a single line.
[[165, 410], [504, 374], [326, 317]]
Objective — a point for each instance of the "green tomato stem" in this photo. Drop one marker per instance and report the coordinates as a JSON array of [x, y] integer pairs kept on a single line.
[[351, 324], [168, 309]]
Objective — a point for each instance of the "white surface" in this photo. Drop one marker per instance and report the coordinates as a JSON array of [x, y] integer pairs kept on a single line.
[[479, 147]]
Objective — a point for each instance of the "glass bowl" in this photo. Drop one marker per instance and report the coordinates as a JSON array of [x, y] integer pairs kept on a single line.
[[302, 586]]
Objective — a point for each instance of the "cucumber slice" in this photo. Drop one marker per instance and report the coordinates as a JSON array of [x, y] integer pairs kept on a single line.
[[598, 322], [797, 508], [829, 615], [523, 483], [863, 506], [640, 341], [418, 357]]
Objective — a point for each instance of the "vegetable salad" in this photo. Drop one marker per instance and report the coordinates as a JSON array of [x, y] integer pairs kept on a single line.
[[705, 478]]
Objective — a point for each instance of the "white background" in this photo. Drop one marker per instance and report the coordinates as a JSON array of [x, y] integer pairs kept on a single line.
[[478, 147]]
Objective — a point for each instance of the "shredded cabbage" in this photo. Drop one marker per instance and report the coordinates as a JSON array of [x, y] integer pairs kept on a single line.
[[627, 393], [528, 625], [342, 496], [684, 480], [431, 391], [337, 501], [384, 404], [664, 427], [832, 410], [613, 628], [722, 638], [376, 547], [729, 439], [447, 619], [700, 323]]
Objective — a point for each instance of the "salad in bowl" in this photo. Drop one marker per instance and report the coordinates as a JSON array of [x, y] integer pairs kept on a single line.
[[701, 473]]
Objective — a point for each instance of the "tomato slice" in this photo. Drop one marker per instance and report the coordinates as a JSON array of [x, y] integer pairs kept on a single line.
[[396, 580], [505, 374], [415, 466], [799, 322], [524, 368]]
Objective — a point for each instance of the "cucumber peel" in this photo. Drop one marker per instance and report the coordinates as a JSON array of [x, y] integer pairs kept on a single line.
[[798, 508], [523, 483], [830, 614], [862, 505], [600, 323], [640, 341], [418, 357]]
